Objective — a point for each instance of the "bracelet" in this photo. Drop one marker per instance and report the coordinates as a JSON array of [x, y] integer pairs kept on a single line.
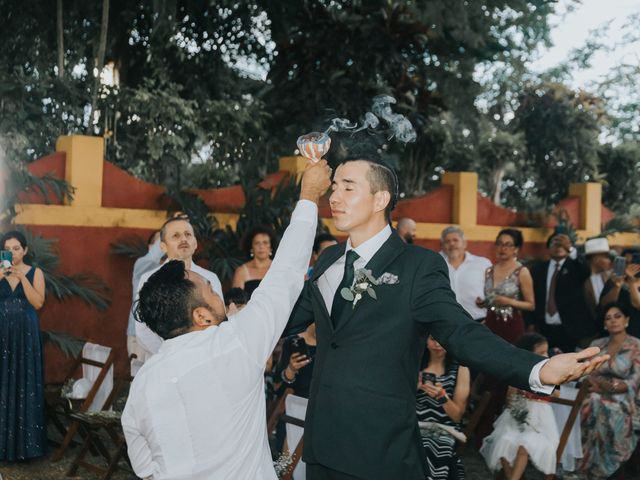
[[285, 379]]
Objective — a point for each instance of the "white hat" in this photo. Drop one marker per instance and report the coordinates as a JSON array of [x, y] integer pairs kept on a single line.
[[596, 245]]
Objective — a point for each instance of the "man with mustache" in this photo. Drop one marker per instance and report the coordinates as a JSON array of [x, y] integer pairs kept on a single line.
[[178, 242], [371, 330]]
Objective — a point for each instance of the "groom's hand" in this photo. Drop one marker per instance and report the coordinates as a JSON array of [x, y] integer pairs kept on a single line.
[[316, 179], [571, 366]]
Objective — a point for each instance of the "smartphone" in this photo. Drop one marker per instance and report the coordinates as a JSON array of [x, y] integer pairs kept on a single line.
[[298, 345], [6, 259], [428, 377], [619, 265]]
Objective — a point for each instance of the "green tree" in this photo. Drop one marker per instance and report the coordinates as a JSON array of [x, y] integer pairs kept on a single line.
[[560, 128]]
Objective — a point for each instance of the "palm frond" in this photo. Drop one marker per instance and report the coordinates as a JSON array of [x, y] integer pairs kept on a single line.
[[131, 246], [87, 286], [71, 346]]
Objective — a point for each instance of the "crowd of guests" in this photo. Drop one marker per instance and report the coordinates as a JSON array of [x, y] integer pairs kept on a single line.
[[565, 303]]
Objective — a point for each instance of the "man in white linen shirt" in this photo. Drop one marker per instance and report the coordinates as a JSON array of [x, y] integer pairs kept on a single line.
[[196, 409], [466, 271], [178, 242]]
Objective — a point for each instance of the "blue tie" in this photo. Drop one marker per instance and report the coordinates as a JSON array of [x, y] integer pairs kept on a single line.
[[339, 310]]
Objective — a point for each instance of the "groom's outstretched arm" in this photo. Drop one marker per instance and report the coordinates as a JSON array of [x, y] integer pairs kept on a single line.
[[473, 344]]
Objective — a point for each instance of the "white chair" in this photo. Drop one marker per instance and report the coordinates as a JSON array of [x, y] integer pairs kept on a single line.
[[296, 407]]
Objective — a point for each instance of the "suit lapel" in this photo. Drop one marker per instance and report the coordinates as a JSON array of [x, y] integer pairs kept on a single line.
[[328, 258], [387, 253]]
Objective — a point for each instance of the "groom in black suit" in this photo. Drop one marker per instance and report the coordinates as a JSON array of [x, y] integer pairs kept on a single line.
[[361, 421]]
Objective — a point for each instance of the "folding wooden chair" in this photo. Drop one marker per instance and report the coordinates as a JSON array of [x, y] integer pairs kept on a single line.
[[59, 408], [473, 418], [99, 427], [296, 405], [568, 426]]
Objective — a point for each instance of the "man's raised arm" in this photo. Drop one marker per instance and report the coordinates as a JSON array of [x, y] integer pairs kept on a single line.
[[261, 322]]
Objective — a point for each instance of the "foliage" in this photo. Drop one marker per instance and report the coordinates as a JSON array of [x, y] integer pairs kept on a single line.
[[560, 129], [622, 181]]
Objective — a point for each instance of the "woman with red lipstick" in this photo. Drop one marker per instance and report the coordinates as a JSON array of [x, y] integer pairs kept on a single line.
[[259, 244]]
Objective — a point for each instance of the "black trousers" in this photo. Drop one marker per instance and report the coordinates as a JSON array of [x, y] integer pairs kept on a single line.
[[316, 471]]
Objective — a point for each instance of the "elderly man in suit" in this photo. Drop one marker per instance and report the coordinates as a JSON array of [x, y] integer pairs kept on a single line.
[[374, 300]]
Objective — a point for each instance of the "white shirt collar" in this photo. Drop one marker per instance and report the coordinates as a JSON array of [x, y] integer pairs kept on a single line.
[[552, 263], [368, 249]]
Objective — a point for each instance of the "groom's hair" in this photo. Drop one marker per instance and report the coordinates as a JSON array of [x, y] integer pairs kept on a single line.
[[381, 177], [167, 301]]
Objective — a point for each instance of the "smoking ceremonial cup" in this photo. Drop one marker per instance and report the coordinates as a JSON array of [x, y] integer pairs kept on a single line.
[[314, 145]]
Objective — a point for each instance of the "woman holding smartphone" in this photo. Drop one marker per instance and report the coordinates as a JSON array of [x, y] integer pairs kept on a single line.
[[441, 399], [23, 429]]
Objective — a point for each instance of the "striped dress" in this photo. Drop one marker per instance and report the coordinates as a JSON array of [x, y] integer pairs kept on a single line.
[[440, 447]]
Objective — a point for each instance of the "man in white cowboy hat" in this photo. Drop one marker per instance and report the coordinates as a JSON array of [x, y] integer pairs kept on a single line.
[[598, 255]]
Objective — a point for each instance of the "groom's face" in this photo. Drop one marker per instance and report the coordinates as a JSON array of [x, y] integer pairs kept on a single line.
[[352, 203]]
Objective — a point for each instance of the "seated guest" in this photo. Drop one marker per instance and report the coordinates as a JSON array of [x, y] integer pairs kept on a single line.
[[625, 290], [610, 413], [259, 244], [441, 399], [196, 409], [508, 288], [526, 429]]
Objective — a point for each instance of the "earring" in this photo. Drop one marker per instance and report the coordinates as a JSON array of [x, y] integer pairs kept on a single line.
[[251, 253], [270, 253]]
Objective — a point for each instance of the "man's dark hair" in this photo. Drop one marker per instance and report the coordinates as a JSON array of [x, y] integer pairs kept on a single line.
[[516, 235], [555, 234], [247, 241], [151, 238], [236, 295], [381, 178], [630, 251], [163, 229], [323, 237], [167, 301], [529, 341]]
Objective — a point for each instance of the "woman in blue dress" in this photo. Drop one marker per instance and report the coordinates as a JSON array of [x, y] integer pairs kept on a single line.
[[23, 429]]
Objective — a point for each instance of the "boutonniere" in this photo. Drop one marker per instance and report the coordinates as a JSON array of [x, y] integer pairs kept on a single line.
[[363, 283]]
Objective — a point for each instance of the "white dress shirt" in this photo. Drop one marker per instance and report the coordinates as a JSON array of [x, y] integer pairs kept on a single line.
[[148, 339], [328, 284], [553, 319], [149, 261], [196, 409], [467, 282]]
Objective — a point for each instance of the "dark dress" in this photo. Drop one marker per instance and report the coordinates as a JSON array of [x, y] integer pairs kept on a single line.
[[505, 321], [251, 285], [23, 431], [302, 383], [440, 447]]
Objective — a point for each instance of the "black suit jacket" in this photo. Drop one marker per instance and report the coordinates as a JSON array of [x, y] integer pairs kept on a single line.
[[577, 321], [361, 418]]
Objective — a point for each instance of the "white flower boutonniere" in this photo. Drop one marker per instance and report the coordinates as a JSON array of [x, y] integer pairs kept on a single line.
[[363, 283]]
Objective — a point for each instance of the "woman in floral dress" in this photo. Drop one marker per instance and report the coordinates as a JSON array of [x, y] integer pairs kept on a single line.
[[610, 414]]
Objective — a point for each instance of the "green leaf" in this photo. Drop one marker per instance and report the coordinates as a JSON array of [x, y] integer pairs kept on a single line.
[[347, 294], [372, 293]]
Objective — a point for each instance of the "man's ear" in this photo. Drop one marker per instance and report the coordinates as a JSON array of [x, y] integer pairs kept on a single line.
[[201, 317], [163, 246], [380, 200]]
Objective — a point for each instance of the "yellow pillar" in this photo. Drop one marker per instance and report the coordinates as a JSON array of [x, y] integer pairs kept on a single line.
[[590, 195], [84, 167], [465, 197], [294, 165]]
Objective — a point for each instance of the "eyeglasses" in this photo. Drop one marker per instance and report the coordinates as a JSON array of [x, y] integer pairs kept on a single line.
[[505, 245]]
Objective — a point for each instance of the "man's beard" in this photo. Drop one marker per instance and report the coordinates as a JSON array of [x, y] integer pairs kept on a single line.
[[408, 239]]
